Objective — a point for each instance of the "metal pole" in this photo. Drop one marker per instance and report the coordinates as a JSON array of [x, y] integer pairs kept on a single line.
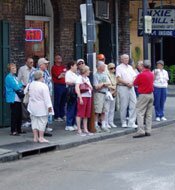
[[90, 36], [145, 36], [161, 43], [90, 46]]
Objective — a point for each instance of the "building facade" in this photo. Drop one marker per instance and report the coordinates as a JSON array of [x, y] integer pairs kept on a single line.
[[160, 46], [43, 28]]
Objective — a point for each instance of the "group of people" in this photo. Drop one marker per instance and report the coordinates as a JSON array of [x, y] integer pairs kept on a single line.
[[73, 91]]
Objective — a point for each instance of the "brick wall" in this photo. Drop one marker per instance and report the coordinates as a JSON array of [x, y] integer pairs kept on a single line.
[[66, 13], [14, 11], [124, 33]]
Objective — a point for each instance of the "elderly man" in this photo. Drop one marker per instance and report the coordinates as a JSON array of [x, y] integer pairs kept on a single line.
[[125, 75], [24, 71], [58, 76], [42, 65], [144, 107], [101, 83], [23, 76]]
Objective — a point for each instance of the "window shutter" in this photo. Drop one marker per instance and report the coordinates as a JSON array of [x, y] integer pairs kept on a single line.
[[4, 60]]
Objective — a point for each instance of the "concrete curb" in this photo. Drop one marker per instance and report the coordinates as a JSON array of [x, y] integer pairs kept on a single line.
[[12, 155]]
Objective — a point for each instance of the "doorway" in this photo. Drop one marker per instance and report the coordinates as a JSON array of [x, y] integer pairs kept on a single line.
[[168, 51], [39, 30]]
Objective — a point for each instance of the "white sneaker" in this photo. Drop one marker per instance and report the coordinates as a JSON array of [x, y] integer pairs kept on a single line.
[[26, 124], [124, 125], [59, 119], [48, 129], [98, 130], [69, 128], [108, 126], [75, 127], [113, 125], [157, 118], [163, 119], [105, 129], [133, 126]]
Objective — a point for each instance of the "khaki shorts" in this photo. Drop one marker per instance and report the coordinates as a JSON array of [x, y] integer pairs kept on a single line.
[[99, 103]]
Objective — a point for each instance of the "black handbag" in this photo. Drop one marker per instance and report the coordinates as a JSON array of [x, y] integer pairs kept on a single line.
[[71, 94], [20, 93]]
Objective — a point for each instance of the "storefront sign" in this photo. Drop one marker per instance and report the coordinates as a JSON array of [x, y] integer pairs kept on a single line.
[[163, 22], [34, 35]]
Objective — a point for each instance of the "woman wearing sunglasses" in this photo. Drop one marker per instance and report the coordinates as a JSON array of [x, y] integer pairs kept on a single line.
[[109, 115]]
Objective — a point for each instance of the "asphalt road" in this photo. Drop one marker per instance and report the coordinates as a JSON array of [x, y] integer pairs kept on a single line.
[[117, 164]]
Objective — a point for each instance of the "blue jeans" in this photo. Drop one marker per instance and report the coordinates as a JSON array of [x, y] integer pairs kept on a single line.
[[71, 112], [59, 100], [160, 95]]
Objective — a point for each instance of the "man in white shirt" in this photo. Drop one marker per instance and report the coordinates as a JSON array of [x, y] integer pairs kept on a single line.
[[125, 75], [23, 76], [24, 71]]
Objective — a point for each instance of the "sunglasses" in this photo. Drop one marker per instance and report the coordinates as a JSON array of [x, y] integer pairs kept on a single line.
[[80, 63], [112, 68]]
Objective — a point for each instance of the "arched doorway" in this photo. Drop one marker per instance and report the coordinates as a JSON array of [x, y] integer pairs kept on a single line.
[[39, 29]]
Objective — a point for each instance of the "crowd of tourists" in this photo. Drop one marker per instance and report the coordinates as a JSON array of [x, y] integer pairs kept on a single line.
[[133, 89]]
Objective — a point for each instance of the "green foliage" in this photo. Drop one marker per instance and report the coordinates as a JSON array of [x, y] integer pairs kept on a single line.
[[136, 54], [171, 72]]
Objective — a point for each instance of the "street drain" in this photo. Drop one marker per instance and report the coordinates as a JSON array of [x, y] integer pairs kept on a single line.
[[38, 151]]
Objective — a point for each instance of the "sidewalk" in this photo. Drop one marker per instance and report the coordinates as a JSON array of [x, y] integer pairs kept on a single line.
[[17, 147]]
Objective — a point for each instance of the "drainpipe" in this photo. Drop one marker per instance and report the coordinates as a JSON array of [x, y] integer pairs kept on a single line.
[[116, 30], [145, 36]]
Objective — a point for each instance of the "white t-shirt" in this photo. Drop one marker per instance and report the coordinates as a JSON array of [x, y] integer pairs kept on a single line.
[[81, 80], [125, 72], [70, 77]]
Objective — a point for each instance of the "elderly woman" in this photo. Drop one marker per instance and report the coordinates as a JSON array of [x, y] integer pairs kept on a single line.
[[39, 107], [84, 91], [109, 114], [160, 90], [70, 79], [12, 85]]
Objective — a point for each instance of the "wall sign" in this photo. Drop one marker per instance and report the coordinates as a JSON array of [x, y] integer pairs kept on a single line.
[[33, 35], [163, 22]]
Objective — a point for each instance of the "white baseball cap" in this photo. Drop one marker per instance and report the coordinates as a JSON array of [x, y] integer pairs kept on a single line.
[[42, 61], [80, 60]]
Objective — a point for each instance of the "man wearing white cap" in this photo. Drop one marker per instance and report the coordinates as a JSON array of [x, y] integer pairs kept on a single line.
[[42, 65]]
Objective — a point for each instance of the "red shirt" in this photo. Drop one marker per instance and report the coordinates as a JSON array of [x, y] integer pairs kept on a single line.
[[56, 71], [144, 82]]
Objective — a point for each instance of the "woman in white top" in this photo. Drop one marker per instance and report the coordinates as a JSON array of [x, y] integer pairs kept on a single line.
[[70, 79], [160, 90], [39, 107], [84, 91]]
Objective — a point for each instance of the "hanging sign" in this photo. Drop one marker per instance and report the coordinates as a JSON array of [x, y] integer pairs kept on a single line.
[[33, 35], [163, 22]]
